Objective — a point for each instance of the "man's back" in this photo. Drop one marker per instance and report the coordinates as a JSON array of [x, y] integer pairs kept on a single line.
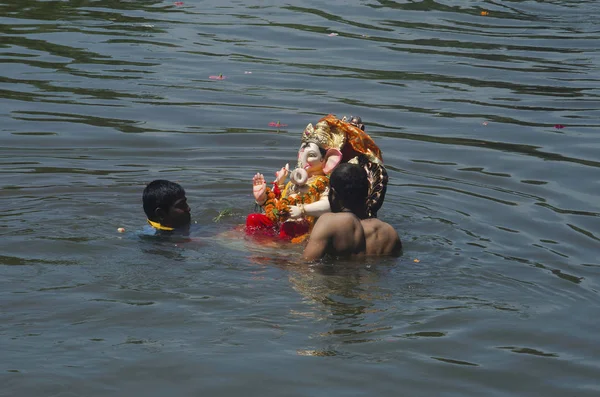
[[339, 234], [381, 238]]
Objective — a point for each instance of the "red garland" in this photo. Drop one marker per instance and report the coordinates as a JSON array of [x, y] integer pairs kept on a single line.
[[276, 190]]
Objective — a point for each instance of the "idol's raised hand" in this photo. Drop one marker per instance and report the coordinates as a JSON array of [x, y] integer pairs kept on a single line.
[[282, 174], [259, 188]]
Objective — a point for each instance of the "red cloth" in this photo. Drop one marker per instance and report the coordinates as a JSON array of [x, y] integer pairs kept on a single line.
[[289, 230], [261, 225]]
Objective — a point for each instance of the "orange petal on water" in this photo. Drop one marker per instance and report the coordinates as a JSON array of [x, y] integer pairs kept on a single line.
[[219, 77], [485, 13], [416, 261]]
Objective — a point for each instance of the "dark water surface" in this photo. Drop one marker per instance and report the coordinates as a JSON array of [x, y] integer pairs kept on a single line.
[[496, 293]]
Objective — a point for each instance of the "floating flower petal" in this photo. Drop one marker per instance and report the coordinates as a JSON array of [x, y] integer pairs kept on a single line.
[[276, 124], [332, 34], [219, 77], [484, 123], [485, 13], [178, 3], [559, 126]]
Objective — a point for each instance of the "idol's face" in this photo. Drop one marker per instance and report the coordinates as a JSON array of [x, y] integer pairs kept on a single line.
[[311, 159]]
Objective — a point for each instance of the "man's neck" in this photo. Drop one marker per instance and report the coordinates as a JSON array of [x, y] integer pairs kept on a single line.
[[358, 214]]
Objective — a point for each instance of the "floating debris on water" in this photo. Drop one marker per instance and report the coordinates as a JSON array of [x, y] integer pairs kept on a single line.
[[276, 124], [222, 214]]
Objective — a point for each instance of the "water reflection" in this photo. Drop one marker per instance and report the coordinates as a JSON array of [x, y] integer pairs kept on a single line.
[[348, 297]]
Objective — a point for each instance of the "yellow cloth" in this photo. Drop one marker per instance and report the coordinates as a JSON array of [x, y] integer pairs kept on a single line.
[[158, 226]]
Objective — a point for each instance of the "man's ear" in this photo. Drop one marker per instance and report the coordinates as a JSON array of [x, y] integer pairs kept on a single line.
[[332, 158], [332, 194], [334, 202], [160, 213]]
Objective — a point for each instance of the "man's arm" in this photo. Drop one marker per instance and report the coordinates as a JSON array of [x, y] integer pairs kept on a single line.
[[319, 240], [396, 247]]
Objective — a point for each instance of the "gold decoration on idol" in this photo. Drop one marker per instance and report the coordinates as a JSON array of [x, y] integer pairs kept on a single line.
[[323, 135]]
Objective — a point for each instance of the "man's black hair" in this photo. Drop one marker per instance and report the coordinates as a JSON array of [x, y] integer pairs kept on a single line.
[[351, 185], [160, 193]]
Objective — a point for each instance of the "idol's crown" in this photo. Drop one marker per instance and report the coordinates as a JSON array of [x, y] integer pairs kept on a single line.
[[323, 135]]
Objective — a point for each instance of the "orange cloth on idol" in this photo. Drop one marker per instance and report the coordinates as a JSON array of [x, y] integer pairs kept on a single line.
[[357, 141]]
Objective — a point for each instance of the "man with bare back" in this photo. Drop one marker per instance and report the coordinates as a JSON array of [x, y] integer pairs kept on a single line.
[[346, 231]]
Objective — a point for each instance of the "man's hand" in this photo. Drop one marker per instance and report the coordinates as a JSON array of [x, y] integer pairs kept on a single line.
[[259, 188]]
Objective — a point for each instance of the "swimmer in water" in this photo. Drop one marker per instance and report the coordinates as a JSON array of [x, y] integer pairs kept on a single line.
[[346, 231], [166, 207]]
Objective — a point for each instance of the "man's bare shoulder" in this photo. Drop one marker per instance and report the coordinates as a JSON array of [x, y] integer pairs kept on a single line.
[[374, 224], [338, 215], [338, 218], [382, 238], [338, 234], [330, 224]]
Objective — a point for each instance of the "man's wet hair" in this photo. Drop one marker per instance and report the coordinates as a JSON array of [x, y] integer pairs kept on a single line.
[[351, 185], [160, 193]]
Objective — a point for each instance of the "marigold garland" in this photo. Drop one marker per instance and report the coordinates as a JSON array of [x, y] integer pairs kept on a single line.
[[279, 210], [270, 206]]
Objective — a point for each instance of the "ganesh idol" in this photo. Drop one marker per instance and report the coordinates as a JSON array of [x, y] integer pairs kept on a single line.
[[290, 209]]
